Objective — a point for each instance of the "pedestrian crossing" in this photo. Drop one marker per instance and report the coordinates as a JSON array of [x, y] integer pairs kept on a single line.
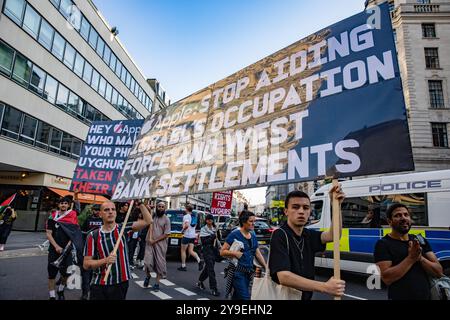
[[168, 290], [186, 292]]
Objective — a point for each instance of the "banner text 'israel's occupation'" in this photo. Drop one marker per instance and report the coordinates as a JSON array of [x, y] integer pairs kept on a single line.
[[329, 105]]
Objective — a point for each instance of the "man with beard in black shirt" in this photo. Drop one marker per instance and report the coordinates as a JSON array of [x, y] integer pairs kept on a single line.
[[404, 263]]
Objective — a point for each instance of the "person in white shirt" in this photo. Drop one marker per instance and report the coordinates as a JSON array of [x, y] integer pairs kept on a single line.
[[188, 240]]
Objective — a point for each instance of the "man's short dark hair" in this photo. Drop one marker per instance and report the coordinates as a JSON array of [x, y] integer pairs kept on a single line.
[[65, 199], [393, 207], [244, 216], [189, 208], [295, 194]]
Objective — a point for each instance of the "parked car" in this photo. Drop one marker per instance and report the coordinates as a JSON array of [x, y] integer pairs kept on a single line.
[[263, 229], [220, 220]]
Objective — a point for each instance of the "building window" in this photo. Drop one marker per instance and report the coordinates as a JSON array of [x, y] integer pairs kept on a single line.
[[22, 70], [436, 94], [55, 140], [102, 86], [28, 131], [114, 98], [11, 122], [42, 135], [108, 92], [51, 86], [100, 46], [128, 80], [31, 22], [431, 58], [87, 73], [58, 46], [107, 55], [120, 103], [76, 148], [69, 56], [428, 30], [93, 37], [119, 68], [6, 59], [46, 35], [84, 30], [440, 138], [63, 95], [65, 7], [113, 62], [74, 104], [66, 145], [79, 64], [37, 80], [95, 79], [55, 3], [14, 10]]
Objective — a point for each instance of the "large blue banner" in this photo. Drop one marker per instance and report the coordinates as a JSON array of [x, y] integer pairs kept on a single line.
[[103, 155], [328, 105]]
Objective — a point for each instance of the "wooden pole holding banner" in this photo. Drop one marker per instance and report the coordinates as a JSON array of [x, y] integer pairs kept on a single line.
[[336, 236], [116, 246]]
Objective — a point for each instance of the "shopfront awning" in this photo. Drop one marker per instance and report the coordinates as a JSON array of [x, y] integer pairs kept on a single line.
[[82, 197]]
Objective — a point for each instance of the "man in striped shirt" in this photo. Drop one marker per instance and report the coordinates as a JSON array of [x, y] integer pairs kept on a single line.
[[98, 254]]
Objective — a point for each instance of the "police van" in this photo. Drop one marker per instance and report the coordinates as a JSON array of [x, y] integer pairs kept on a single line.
[[426, 194]]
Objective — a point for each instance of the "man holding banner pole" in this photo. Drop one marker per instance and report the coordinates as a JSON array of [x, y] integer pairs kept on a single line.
[[106, 248], [293, 248]]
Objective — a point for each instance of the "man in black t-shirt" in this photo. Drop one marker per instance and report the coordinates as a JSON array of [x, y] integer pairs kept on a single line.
[[404, 262], [293, 249]]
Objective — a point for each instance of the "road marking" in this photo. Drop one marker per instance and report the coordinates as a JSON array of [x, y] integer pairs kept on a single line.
[[140, 284], [203, 299], [354, 297], [167, 282], [185, 292], [134, 275], [22, 253], [161, 295]]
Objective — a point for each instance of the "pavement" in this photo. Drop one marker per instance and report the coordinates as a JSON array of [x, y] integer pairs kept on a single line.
[[23, 276]]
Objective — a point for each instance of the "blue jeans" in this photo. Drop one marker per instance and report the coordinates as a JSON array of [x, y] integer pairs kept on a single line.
[[241, 283]]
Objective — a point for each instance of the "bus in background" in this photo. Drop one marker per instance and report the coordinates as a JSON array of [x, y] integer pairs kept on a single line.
[[426, 194]]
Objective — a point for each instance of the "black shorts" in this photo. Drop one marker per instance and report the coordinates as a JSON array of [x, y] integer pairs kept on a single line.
[[53, 270], [186, 241], [110, 292]]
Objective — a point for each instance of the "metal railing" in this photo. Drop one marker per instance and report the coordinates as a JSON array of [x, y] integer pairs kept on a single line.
[[425, 8]]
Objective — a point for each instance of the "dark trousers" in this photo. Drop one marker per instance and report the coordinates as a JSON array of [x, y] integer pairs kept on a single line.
[[141, 252], [110, 292], [132, 243], [208, 271], [86, 276], [5, 230]]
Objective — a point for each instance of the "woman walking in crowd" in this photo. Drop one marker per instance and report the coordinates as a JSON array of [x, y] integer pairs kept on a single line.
[[208, 237], [239, 275]]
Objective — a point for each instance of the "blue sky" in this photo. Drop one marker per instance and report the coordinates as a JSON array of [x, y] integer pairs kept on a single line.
[[190, 44]]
